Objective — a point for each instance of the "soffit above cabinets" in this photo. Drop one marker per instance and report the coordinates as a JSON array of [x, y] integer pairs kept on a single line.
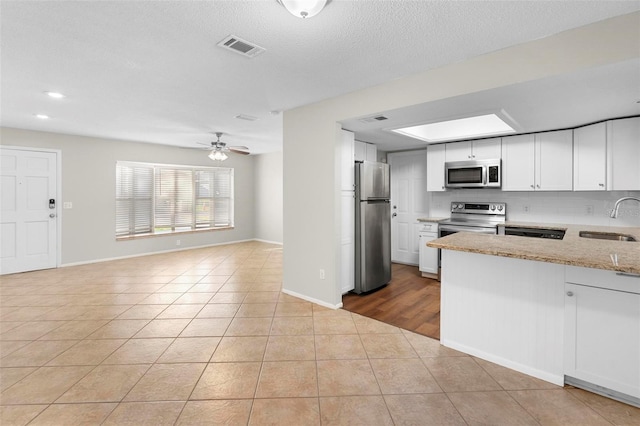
[[564, 101]]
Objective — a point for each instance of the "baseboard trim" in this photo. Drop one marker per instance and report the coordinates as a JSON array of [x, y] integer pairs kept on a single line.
[[312, 299], [108, 259]]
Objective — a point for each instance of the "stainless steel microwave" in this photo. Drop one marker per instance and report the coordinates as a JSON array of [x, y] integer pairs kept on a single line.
[[473, 174]]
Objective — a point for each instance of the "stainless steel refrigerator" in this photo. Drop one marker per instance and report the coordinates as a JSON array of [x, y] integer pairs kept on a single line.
[[373, 226]]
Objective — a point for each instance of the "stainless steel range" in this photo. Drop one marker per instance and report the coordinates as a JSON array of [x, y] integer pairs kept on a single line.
[[474, 217]]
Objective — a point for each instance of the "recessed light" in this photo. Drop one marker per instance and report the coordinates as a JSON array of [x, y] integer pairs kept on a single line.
[[462, 128], [42, 116], [55, 95]]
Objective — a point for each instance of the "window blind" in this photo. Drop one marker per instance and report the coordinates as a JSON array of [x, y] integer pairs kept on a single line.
[[156, 198]]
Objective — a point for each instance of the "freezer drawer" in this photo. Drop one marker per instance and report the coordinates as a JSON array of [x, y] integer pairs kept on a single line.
[[373, 246]]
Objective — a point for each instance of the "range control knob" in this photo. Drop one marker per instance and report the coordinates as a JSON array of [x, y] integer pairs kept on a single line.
[[493, 207], [500, 207], [460, 206]]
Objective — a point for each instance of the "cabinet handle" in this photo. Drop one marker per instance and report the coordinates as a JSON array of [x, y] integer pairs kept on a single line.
[[628, 274], [537, 186], [532, 186], [569, 293], [601, 184]]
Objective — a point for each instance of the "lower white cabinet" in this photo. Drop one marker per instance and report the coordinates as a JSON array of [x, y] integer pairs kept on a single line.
[[602, 335], [428, 255]]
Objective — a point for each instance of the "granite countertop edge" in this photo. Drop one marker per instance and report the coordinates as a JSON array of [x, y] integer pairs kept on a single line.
[[573, 250]]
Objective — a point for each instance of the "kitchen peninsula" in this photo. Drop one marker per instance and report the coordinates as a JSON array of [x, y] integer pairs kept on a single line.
[[565, 311]]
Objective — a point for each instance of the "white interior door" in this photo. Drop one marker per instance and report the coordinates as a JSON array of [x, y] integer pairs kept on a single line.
[[408, 202], [28, 223]]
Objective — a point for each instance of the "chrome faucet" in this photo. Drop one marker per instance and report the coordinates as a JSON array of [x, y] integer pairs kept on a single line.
[[614, 212]]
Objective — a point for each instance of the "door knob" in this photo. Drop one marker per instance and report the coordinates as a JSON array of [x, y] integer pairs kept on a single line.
[[395, 207], [52, 215], [569, 293], [394, 215]]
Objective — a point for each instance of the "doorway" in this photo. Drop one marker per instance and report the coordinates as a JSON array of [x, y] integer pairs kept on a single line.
[[29, 224]]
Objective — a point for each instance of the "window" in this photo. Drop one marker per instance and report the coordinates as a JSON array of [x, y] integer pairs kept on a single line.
[[158, 198]]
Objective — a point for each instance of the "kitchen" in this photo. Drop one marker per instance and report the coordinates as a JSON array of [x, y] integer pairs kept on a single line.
[[597, 159]]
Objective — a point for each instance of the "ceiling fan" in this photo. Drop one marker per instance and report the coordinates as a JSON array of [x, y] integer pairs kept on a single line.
[[220, 149]]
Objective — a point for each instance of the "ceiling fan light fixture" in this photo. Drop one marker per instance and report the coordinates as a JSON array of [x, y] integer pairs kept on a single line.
[[217, 155], [303, 8]]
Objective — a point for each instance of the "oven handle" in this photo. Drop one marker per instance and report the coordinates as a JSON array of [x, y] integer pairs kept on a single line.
[[455, 228]]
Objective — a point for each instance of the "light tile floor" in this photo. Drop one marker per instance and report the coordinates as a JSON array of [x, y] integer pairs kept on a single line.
[[205, 336]]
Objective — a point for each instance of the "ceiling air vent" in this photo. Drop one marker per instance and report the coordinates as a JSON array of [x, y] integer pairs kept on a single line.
[[373, 119], [243, 47]]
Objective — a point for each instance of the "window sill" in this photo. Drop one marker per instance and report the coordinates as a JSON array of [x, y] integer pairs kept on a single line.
[[168, 234]]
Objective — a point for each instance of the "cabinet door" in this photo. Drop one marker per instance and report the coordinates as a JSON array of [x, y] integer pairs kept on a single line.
[[347, 242], [435, 167], [458, 151], [347, 160], [486, 149], [518, 159], [602, 337], [428, 255], [371, 152], [623, 146], [360, 151], [590, 158], [554, 161]]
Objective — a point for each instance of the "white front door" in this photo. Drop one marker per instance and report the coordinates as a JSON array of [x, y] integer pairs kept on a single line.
[[408, 202], [28, 210]]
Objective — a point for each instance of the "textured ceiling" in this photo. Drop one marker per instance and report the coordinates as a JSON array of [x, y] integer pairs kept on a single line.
[[150, 71]]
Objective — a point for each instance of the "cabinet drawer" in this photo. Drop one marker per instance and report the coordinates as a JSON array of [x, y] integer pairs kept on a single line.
[[428, 227], [601, 278]]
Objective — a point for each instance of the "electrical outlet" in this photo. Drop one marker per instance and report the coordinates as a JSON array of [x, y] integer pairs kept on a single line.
[[588, 210], [525, 208], [322, 274], [177, 242]]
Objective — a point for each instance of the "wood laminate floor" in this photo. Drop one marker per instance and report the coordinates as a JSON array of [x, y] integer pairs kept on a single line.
[[409, 301]]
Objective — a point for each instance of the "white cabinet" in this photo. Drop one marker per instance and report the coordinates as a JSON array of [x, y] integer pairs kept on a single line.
[[347, 208], [540, 162], [485, 149], [347, 242], [623, 154], [602, 332], [364, 151], [428, 255], [435, 167], [590, 158]]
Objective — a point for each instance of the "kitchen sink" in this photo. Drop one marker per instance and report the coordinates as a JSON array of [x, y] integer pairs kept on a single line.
[[606, 236]]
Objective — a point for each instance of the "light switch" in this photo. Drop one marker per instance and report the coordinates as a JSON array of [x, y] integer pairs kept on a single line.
[[67, 205]]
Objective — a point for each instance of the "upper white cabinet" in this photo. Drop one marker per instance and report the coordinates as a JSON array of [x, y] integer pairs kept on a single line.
[[485, 149], [435, 167], [623, 154], [347, 160], [590, 158], [365, 151], [540, 162]]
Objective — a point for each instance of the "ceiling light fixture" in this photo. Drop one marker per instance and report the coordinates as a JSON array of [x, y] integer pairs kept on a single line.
[[217, 155], [55, 95], [303, 8], [42, 116], [462, 128]]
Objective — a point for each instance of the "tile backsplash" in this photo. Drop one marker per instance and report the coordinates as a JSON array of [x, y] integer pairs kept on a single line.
[[584, 208]]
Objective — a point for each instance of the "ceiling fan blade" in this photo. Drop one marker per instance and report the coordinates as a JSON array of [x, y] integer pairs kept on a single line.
[[243, 148], [237, 151], [210, 144]]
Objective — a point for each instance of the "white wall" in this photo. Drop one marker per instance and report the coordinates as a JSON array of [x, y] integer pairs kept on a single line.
[[311, 142], [547, 207], [268, 193], [88, 181]]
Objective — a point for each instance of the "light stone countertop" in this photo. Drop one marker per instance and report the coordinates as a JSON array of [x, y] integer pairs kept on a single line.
[[622, 256], [431, 219]]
